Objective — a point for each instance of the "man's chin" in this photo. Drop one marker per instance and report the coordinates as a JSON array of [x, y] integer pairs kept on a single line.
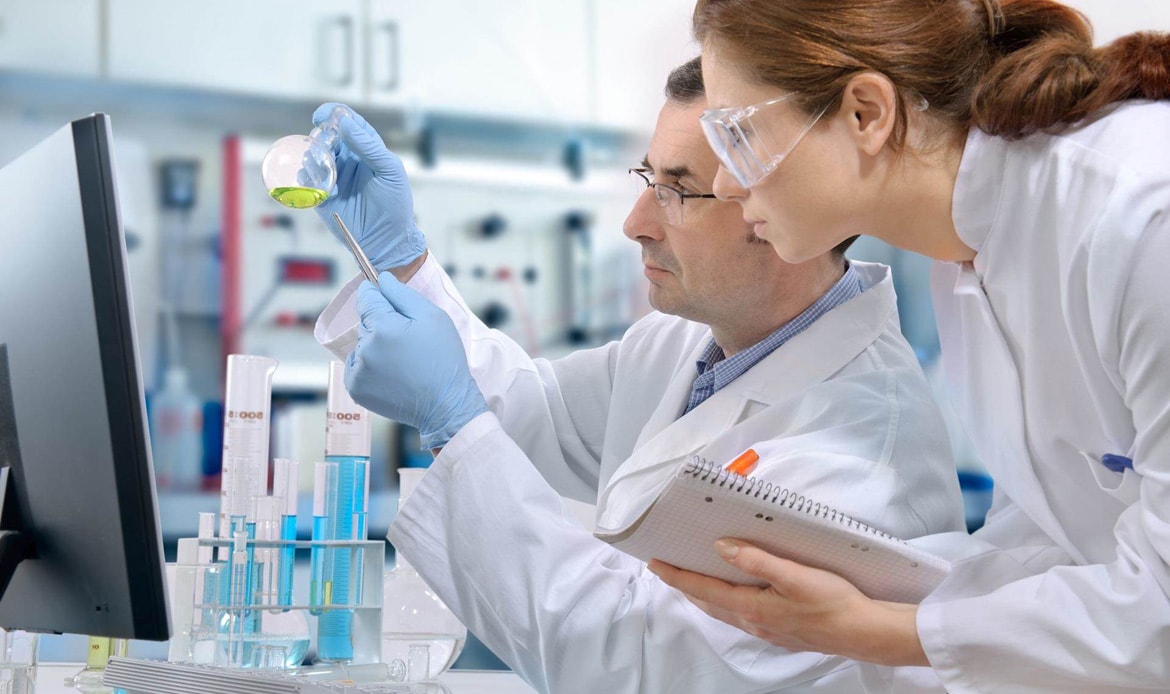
[[663, 301]]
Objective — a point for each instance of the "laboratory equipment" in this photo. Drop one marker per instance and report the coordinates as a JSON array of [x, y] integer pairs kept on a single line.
[[18, 662], [421, 637], [358, 254], [266, 636], [98, 653], [333, 521], [299, 171], [245, 439], [324, 487], [235, 613], [176, 434], [136, 676], [73, 432], [348, 436], [181, 596], [285, 474], [274, 638]]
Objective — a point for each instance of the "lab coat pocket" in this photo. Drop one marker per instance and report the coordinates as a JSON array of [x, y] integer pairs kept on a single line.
[[1124, 486]]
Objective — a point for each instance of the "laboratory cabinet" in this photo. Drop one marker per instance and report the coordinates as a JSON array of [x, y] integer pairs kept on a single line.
[[61, 37], [514, 59], [524, 60], [297, 49], [636, 45]]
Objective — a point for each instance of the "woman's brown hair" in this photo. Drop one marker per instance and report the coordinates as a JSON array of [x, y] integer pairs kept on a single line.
[[1008, 67]]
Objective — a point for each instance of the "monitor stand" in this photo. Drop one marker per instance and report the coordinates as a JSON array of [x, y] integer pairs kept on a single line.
[[15, 546]]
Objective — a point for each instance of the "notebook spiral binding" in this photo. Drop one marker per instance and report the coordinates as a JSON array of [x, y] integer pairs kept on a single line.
[[708, 471]]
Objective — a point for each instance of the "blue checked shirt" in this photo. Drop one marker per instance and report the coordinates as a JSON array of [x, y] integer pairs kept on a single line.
[[715, 371]]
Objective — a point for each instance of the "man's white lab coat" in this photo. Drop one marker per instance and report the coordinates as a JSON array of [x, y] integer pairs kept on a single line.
[[841, 412]]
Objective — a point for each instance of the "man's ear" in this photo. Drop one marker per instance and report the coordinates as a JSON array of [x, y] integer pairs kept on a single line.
[[870, 105]]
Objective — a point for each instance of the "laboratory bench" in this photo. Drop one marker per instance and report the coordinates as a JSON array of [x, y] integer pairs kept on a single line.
[[51, 680]]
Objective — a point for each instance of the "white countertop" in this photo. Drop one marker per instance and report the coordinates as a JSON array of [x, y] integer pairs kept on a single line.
[[51, 680]]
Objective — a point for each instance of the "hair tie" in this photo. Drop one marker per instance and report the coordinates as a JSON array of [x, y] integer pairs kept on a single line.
[[995, 19]]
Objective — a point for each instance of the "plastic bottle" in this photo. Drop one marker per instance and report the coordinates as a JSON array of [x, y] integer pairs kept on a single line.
[[176, 434]]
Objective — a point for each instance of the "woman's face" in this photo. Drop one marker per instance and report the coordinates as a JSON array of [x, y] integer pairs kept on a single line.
[[813, 200]]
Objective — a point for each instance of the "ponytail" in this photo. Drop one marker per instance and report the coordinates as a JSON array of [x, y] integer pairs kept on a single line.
[[1046, 74]]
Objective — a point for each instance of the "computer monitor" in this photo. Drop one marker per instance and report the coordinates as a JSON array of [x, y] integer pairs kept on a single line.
[[80, 490]]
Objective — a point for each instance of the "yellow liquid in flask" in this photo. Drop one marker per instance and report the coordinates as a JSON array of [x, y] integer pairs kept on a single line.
[[297, 197]]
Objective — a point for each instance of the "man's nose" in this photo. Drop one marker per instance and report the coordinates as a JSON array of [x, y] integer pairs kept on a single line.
[[644, 220]]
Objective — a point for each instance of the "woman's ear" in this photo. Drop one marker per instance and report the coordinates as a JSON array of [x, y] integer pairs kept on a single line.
[[870, 104]]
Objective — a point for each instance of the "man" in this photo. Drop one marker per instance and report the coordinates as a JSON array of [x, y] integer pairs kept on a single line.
[[804, 364]]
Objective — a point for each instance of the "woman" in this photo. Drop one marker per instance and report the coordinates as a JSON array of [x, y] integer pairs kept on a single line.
[[992, 137]]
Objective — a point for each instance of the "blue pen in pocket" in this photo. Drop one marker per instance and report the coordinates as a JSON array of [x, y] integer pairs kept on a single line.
[[1117, 463]]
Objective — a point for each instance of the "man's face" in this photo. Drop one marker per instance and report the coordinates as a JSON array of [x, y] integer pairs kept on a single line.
[[711, 266]]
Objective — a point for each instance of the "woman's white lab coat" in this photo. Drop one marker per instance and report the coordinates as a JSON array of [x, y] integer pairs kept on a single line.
[[841, 411], [1057, 343]]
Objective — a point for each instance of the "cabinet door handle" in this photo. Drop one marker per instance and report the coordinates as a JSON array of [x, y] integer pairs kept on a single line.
[[394, 74], [345, 24]]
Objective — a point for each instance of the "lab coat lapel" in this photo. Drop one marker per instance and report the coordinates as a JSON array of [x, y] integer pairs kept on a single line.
[[980, 369], [809, 358]]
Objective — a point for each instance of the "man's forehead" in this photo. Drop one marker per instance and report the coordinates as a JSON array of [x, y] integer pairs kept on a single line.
[[678, 147]]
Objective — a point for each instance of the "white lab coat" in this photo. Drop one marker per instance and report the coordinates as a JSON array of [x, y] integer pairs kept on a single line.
[[1056, 341], [841, 411]]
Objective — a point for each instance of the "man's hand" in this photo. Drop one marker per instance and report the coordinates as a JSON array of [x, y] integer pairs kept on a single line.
[[372, 195], [409, 364]]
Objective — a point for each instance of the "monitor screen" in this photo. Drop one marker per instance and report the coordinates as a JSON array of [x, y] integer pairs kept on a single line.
[[73, 432]]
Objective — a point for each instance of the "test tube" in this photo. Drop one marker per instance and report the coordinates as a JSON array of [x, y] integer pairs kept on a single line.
[[266, 564], [238, 600], [284, 484], [324, 487], [209, 583]]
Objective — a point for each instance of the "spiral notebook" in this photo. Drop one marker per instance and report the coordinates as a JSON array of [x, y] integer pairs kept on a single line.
[[704, 502]]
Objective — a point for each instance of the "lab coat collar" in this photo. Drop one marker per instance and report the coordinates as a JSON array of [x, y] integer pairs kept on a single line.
[[805, 360], [979, 188]]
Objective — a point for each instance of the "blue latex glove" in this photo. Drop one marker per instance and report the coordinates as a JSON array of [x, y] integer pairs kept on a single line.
[[372, 195], [409, 364]]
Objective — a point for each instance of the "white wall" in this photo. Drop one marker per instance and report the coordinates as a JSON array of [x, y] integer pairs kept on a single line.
[[1114, 18]]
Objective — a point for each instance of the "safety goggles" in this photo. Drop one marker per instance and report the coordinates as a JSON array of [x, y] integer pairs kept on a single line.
[[749, 146]]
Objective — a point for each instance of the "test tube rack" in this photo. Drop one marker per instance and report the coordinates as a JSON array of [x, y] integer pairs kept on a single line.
[[200, 586]]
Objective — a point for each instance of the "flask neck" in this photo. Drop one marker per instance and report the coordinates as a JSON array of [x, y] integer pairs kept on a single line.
[[327, 132]]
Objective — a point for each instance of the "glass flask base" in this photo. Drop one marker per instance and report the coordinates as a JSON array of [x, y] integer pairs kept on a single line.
[[420, 657]]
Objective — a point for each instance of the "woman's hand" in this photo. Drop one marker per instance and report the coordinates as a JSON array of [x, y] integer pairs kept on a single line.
[[802, 608]]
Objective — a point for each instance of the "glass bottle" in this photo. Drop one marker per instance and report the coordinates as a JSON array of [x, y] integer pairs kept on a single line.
[[101, 648], [421, 637], [299, 171]]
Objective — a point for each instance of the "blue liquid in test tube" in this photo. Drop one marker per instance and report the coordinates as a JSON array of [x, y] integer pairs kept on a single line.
[[335, 627], [284, 485]]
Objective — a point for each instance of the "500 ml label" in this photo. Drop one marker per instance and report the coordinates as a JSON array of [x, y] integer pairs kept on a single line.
[[344, 416], [245, 415]]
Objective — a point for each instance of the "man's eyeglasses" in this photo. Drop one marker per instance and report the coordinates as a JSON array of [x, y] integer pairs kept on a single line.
[[669, 198]]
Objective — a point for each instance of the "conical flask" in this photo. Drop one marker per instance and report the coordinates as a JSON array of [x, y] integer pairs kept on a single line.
[[421, 637], [300, 171]]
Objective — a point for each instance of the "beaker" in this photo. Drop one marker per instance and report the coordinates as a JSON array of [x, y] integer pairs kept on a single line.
[[299, 171], [18, 662], [421, 637]]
